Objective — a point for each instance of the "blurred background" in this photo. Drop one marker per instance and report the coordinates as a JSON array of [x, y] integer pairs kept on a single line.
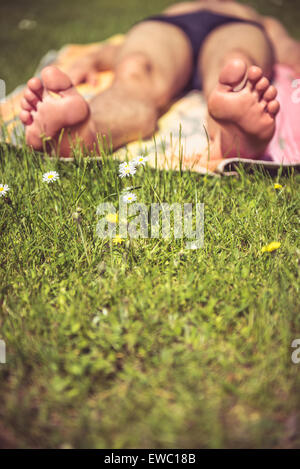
[[30, 28]]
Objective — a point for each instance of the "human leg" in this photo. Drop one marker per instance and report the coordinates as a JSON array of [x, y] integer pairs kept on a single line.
[[287, 49]]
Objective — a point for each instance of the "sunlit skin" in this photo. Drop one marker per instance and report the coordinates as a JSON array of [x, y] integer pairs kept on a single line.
[[151, 68]]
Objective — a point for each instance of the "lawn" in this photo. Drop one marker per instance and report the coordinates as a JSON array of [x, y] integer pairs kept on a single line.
[[143, 343]]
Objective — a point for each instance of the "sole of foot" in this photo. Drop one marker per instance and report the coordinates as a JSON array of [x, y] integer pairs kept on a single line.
[[53, 112], [243, 105]]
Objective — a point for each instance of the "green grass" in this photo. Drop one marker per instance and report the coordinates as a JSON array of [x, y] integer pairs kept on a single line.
[[145, 344]]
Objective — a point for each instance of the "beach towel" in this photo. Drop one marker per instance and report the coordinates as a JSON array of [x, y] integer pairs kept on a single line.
[[181, 136]]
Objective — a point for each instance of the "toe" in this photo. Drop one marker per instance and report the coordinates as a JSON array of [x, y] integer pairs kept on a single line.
[[31, 98], [36, 86], [233, 72], [273, 107], [26, 117], [33, 139], [262, 85], [270, 93], [254, 74], [55, 80], [26, 106]]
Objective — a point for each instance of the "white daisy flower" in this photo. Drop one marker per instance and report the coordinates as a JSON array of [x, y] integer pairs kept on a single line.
[[129, 198], [127, 169], [3, 189], [140, 160], [51, 176]]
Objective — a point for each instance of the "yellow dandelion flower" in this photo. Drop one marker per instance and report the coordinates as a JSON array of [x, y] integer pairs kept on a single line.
[[271, 247], [117, 239], [278, 186], [112, 217]]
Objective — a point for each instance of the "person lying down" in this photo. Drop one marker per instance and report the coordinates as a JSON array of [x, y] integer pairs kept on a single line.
[[221, 47]]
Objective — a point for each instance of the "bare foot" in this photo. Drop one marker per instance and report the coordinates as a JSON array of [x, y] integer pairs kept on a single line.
[[83, 71], [50, 105], [244, 107]]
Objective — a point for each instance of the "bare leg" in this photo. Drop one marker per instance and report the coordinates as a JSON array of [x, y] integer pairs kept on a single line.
[[152, 67], [86, 68], [287, 49]]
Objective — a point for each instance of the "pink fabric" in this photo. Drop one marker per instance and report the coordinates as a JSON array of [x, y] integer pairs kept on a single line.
[[284, 148]]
